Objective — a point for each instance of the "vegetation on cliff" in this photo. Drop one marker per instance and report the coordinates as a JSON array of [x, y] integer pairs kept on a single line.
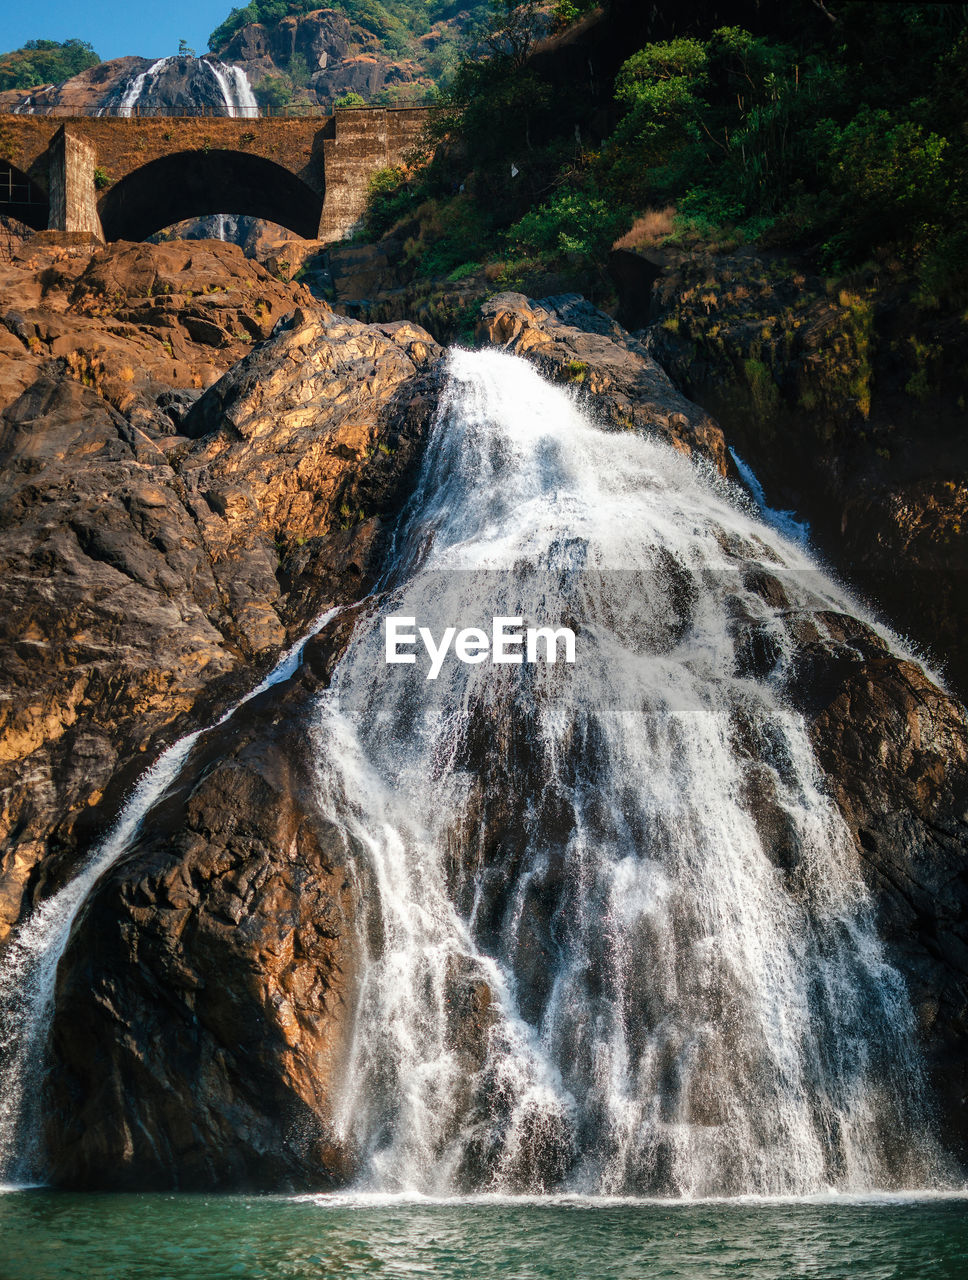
[[45, 62], [394, 21], [843, 137]]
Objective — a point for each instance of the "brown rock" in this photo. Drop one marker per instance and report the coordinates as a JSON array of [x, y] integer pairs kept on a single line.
[[147, 576], [230, 926], [894, 749]]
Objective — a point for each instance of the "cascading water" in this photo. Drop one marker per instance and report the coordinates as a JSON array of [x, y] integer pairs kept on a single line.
[[784, 522], [619, 942], [236, 89], [233, 85], [136, 86]]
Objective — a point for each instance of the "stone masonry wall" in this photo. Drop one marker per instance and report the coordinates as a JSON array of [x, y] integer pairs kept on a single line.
[[73, 195]]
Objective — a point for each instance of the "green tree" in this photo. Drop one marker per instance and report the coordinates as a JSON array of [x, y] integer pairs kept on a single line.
[[273, 92], [45, 62]]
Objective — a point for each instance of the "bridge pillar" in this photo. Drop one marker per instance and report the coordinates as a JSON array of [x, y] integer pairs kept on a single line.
[[73, 196], [365, 140]]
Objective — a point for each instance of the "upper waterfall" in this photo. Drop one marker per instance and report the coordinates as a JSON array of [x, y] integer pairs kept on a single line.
[[233, 90]]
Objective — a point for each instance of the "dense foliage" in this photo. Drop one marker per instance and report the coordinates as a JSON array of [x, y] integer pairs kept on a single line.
[[841, 135], [45, 62], [396, 22]]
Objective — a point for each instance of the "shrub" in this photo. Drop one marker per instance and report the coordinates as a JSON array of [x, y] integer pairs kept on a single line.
[[650, 228], [390, 197], [572, 222], [273, 91]]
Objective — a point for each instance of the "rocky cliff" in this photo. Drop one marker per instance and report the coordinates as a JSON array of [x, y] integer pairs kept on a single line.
[[180, 85], [304, 61], [174, 584], [847, 398], [197, 460]]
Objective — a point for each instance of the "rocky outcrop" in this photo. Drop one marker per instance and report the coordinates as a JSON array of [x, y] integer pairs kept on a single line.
[[338, 55], [315, 57], [847, 400], [232, 925], [158, 553], [84, 93], [182, 85], [132, 321], [571, 341], [894, 749]]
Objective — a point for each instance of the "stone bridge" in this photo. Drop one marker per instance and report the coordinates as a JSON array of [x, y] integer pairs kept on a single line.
[[125, 178]]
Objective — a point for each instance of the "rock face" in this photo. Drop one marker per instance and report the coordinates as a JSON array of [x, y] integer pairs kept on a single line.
[[572, 342], [233, 922], [848, 403], [159, 552], [894, 749], [340, 56], [147, 574], [318, 56], [182, 85], [83, 93]]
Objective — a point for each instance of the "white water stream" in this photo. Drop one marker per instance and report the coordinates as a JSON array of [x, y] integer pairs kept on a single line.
[[233, 83], [622, 944], [617, 941], [28, 970]]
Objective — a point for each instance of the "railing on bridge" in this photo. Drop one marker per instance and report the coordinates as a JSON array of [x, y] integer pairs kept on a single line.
[[215, 113]]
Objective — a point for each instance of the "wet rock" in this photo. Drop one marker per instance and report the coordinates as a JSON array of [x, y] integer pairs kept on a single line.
[[848, 402], [204, 1004], [894, 749], [572, 342]]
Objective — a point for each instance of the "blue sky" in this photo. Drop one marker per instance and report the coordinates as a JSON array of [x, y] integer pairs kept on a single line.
[[114, 27]]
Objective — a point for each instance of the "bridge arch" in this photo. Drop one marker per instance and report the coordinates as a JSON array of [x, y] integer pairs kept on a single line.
[[21, 198], [191, 184]]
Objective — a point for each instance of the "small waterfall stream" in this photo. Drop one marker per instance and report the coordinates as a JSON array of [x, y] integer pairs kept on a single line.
[[136, 86], [28, 970], [617, 939]]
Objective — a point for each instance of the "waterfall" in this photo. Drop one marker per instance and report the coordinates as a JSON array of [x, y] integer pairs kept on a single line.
[[619, 941], [615, 940], [233, 86], [784, 522], [28, 969], [236, 89], [136, 86]]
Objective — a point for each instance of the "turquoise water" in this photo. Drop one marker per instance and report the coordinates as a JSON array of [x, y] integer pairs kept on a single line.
[[45, 1235]]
